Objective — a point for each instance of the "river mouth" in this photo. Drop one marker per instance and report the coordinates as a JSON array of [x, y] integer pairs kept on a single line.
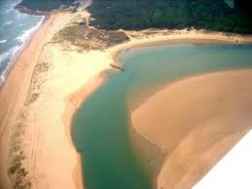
[[101, 126]]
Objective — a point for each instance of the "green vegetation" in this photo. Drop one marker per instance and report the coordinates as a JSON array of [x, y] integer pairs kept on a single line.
[[16, 170], [218, 15], [85, 38], [174, 14]]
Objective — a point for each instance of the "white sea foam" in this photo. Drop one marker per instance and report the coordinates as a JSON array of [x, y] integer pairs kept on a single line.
[[3, 41], [16, 50], [2, 79], [26, 35], [8, 23], [12, 53], [4, 56], [7, 56]]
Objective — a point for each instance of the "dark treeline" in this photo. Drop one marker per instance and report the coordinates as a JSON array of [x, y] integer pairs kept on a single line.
[[244, 6], [140, 14]]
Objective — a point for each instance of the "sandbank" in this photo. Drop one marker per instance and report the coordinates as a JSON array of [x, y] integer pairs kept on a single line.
[[195, 122]]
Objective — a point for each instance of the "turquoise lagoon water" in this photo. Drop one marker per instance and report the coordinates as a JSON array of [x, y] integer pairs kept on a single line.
[[101, 126]]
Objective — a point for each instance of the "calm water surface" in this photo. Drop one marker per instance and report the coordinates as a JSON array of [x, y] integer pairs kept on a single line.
[[100, 130]]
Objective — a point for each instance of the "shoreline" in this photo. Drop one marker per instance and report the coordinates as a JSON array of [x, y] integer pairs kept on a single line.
[[198, 37], [174, 170], [7, 76], [20, 49], [70, 99], [73, 104], [15, 89], [166, 37]]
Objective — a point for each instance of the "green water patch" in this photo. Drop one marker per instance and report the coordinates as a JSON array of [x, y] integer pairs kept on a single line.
[[101, 126]]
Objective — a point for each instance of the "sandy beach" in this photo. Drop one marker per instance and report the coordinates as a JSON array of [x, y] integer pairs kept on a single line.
[[195, 122], [14, 92], [36, 130], [47, 85]]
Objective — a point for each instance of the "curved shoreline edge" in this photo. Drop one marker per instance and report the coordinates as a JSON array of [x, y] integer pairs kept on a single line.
[[38, 115], [220, 116], [20, 49]]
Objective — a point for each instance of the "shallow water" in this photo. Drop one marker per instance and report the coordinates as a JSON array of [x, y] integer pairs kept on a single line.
[[100, 131]]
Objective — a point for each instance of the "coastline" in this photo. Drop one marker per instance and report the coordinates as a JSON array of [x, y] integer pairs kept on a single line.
[[7, 76], [14, 91], [140, 39], [62, 88], [73, 103], [20, 49], [178, 36]]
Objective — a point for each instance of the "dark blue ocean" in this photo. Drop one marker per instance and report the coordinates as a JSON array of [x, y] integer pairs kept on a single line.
[[15, 29]]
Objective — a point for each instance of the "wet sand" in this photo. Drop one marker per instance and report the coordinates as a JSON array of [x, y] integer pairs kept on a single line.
[[195, 122]]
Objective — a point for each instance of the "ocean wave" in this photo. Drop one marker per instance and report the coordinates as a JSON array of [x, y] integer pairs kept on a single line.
[[7, 11], [3, 41], [4, 57], [8, 23], [26, 35], [10, 6], [7, 56], [13, 52]]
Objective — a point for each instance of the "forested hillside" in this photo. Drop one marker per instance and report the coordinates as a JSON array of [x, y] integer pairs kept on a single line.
[[140, 14], [214, 15]]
